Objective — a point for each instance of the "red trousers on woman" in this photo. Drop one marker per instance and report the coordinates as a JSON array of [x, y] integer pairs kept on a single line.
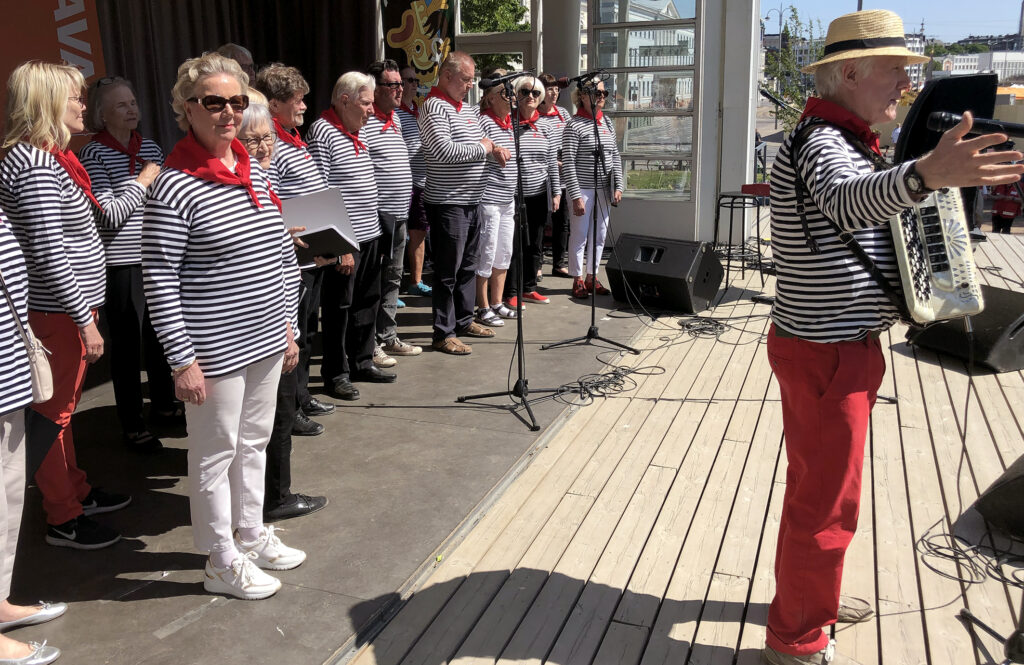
[[60, 481], [828, 391]]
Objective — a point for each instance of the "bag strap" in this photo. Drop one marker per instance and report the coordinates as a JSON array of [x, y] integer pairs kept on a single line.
[[845, 237], [17, 319]]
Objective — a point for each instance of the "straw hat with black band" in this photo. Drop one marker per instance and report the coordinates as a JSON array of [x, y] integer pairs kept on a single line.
[[862, 34]]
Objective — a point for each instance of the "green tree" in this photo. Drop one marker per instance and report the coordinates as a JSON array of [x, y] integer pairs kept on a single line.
[[781, 66], [494, 16]]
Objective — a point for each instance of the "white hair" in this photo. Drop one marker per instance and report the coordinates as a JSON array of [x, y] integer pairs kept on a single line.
[[255, 115], [829, 77], [532, 81], [350, 83]]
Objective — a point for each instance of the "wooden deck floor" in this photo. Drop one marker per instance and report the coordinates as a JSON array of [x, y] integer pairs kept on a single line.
[[644, 531]]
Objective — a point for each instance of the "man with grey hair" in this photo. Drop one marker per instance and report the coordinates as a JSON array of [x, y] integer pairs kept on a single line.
[[830, 184], [351, 290], [456, 151], [242, 56]]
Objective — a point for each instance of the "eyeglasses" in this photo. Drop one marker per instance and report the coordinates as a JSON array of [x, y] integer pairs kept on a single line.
[[80, 99], [530, 93], [394, 85], [255, 141], [215, 103]]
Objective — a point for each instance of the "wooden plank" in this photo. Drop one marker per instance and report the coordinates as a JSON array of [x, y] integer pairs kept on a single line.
[[595, 472], [681, 433], [622, 646], [722, 354], [749, 354]]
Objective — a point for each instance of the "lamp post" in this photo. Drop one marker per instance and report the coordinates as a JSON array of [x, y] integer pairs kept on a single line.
[[778, 84]]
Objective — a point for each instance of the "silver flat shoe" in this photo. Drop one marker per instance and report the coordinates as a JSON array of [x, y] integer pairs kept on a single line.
[[46, 612], [41, 655]]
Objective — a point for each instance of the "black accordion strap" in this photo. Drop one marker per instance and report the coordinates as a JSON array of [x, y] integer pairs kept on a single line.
[[845, 237]]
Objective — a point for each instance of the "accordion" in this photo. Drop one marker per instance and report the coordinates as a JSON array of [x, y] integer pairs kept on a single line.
[[933, 249]]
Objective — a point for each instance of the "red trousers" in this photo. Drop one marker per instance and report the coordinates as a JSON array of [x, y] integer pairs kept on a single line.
[[828, 391], [60, 481]]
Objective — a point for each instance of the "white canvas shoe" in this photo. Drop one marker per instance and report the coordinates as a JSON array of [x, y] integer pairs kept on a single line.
[[242, 579], [271, 553]]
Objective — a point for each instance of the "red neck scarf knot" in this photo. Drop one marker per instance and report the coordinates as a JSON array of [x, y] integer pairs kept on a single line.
[[843, 117], [387, 118], [189, 156], [104, 137], [286, 135], [76, 172], [413, 110], [504, 123], [582, 113], [330, 116]]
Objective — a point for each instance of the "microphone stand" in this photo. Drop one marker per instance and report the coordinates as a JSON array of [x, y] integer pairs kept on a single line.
[[592, 332], [520, 392]]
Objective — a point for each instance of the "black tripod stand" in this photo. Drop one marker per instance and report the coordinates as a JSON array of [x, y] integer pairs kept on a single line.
[[589, 88], [520, 392], [1013, 646]]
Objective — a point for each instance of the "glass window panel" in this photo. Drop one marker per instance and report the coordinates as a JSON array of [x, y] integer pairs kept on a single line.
[[623, 11], [655, 136], [670, 177], [647, 47], [650, 91]]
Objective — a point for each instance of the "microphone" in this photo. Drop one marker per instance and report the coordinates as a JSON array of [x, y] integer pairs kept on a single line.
[[563, 81], [487, 84], [941, 121]]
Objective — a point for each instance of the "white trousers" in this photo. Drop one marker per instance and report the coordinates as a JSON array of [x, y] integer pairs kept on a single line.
[[497, 229], [579, 233], [227, 452], [12, 498]]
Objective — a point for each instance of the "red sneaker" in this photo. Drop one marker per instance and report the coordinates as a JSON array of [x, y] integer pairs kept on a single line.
[[511, 302], [579, 289], [536, 297]]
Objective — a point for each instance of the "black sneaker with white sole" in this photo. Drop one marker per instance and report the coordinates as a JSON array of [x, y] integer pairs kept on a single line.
[[99, 501], [81, 533]]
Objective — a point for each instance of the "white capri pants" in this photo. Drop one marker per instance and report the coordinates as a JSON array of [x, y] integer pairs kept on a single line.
[[227, 452], [12, 498], [497, 230], [579, 232]]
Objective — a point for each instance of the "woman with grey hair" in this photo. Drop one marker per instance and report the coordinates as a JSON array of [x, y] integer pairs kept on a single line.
[[122, 165], [226, 324]]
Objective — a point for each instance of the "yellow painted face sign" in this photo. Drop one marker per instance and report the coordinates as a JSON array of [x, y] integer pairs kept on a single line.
[[422, 33]]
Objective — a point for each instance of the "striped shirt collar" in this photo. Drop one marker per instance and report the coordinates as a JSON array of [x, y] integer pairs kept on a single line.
[[441, 94], [387, 118], [332, 119]]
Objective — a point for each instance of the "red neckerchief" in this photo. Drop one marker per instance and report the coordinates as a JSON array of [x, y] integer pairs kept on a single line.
[[413, 110], [285, 135], [330, 116], [104, 137], [531, 122], [554, 111], [438, 92], [190, 157], [76, 172], [388, 119], [504, 123], [837, 115], [581, 113]]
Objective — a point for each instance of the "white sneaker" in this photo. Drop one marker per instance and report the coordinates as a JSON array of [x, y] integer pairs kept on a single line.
[[397, 347], [382, 359], [242, 579], [271, 553]]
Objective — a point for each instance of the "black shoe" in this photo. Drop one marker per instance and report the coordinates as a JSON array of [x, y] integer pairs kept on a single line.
[[301, 505], [81, 533], [168, 416], [99, 501], [374, 375], [142, 442], [343, 389], [315, 407], [303, 426]]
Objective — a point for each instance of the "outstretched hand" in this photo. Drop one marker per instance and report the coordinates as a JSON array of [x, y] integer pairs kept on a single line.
[[960, 162]]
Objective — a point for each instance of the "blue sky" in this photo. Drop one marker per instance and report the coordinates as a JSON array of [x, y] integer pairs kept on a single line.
[[948, 20]]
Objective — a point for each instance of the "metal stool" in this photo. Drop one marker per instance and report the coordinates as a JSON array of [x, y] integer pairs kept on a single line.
[[733, 201]]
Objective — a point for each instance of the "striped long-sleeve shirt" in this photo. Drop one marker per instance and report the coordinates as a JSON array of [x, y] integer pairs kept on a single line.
[[540, 159], [220, 274], [54, 223], [349, 169], [414, 144], [578, 157], [15, 375], [829, 297], [390, 164], [122, 198], [555, 120], [501, 180], [293, 171], [455, 157]]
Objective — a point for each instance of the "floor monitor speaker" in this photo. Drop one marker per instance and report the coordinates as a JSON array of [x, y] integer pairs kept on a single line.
[[1002, 504], [668, 274], [998, 332]]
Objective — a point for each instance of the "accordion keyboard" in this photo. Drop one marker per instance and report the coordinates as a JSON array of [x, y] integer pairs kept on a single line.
[[936, 264]]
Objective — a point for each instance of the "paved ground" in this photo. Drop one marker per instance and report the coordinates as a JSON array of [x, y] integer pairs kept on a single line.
[[403, 468]]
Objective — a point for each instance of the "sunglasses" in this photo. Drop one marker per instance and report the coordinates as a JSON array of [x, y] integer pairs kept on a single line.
[[603, 94], [413, 80], [215, 103], [395, 85], [530, 93]]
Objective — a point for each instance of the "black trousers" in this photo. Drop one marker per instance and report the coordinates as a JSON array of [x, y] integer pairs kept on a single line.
[[454, 239], [349, 315], [1002, 224], [533, 246], [132, 338], [309, 321], [278, 475], [560, 233]]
